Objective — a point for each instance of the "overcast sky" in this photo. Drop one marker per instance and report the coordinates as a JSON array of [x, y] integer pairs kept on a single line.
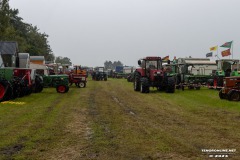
[[90, 32]]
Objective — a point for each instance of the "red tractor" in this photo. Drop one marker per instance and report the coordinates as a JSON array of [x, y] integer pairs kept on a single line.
[[231, 89], [78, 77], [152, 74]]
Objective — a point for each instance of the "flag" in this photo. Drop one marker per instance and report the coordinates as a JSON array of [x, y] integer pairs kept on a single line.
[[165, 58], [226, 53], [213, 48], [209, 54], [227, 44]]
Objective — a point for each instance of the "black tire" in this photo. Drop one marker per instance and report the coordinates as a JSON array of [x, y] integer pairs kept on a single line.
[[221, 95], [233, 96], [61, 88], [144, 87], [170, 88], [136, 82], [38, 84]]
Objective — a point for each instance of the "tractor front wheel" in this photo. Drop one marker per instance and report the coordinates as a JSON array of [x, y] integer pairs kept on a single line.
[[61, 89], [144, 88], [82, 84]]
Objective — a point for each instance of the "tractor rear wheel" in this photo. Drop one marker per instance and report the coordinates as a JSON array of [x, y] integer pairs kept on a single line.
[[170, 88], [6, 91], [61, 89], [234, 96], [136, 82]]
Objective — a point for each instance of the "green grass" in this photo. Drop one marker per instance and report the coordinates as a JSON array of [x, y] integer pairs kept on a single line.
[[108, 120]]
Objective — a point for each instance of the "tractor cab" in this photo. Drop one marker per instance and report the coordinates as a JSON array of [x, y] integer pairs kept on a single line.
[[99, 74], [228, 67], [150, 67]]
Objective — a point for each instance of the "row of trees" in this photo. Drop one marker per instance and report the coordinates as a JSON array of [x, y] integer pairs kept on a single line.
[[112, 65], [29, 38]]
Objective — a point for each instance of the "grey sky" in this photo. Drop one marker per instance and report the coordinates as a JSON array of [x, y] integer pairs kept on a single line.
[[92, 31]]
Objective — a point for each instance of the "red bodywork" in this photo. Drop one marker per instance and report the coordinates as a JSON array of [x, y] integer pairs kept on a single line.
[[77, 78], [151, 73]]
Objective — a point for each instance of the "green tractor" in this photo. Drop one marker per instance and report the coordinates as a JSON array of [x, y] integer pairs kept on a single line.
[[50, 79], [225, 68], [99, 74], [60, 82]]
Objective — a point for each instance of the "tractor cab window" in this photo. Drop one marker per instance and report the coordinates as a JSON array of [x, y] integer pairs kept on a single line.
[[151, 65], [226, 65], [100, 69]]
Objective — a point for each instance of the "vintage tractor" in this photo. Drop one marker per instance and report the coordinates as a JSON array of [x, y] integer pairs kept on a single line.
[[231, 89], [99, 74], [53, 78], [152, 74], [16, 81], [78, 77]]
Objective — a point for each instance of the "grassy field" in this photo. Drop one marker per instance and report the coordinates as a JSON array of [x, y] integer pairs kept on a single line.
[[108, 120]]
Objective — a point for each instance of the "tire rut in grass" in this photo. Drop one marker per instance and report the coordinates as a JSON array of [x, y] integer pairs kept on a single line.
[[11, 150]]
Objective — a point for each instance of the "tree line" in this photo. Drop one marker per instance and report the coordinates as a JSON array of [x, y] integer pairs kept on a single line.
[[29, 38], [112, 65]]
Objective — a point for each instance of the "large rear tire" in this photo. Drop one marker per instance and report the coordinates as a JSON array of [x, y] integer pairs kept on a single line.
[[170, 88], [2, 91]]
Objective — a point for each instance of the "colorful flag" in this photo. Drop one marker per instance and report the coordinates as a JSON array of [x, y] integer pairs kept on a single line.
[[213, 48], [165, 58], [227, 44], [226, 53], [209, 54]]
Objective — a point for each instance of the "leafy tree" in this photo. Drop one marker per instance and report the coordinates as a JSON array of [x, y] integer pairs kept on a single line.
[[63, 60], [112, 65], [30, 40]]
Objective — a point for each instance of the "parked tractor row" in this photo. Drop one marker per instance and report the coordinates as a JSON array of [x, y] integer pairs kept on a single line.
[[15, 81], [19, 77]]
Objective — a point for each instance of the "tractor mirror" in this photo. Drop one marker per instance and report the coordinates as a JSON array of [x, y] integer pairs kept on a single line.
[[139, 62]]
